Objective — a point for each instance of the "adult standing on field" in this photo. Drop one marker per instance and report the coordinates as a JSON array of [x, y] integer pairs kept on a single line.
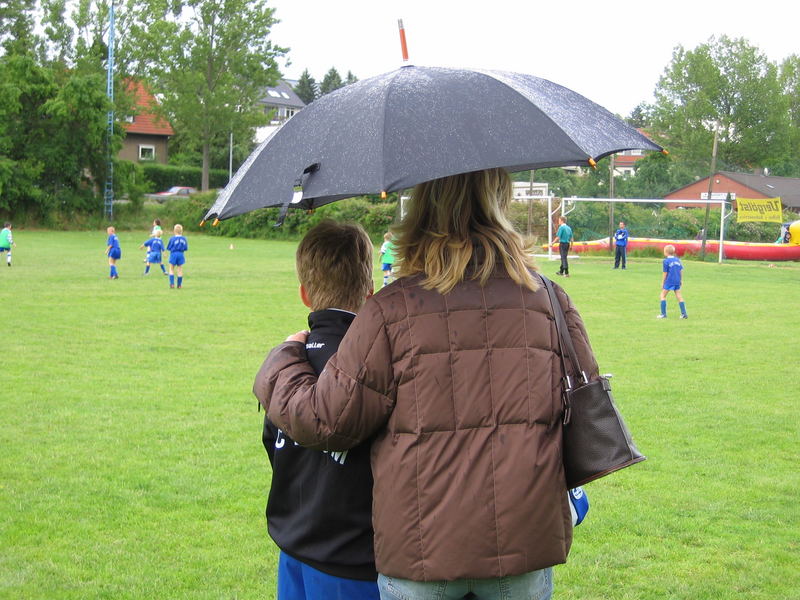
[[620, 245], [564, 238], [452, 370]]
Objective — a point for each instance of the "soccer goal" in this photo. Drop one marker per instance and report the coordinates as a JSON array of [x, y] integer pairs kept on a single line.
[[567, 205]]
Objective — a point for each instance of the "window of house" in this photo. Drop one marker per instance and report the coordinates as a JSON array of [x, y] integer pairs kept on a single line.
[[147, 152], [129, 118]]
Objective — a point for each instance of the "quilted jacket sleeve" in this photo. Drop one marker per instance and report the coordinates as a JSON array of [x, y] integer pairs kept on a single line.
[[350, 401]]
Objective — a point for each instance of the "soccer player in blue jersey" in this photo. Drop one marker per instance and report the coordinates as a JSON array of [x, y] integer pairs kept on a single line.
[[671, 281], [154, 249], [113, 252], [620, 245], [177, 245]]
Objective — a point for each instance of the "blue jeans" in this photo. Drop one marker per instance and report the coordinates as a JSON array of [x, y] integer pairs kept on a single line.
[[536, 585]]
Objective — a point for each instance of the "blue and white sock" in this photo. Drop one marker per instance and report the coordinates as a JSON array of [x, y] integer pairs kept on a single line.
[[682, 306], [172, 280], [180, 281], [664, 307]]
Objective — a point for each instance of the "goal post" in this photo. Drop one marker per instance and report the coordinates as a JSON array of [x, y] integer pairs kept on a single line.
[[565, 202]]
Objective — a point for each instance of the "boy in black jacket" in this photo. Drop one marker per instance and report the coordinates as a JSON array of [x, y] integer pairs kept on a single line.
[[319, 510]]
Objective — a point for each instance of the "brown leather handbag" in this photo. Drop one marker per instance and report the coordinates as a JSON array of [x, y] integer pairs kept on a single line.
[[596, 440]]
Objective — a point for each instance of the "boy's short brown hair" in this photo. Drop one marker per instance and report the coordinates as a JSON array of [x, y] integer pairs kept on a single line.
[[334, 265]]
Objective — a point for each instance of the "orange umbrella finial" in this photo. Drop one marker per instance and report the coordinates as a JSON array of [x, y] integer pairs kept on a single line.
[[592, 163], [215, 223], [403, 47]]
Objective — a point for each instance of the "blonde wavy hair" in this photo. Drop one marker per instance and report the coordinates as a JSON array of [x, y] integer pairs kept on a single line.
[[448, 218]]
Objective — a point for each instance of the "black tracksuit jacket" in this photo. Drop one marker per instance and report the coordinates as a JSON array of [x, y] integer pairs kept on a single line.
[[320, 503]]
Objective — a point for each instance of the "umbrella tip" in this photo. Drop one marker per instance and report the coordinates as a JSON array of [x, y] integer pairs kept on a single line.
[[592, 163], [665, 152], [403, 46], [215, 223], [383, 194], [203, 222]]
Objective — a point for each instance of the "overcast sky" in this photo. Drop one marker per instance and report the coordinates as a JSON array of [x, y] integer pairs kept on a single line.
[[613, 53]]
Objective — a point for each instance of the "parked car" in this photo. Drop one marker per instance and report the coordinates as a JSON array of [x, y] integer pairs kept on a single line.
[[176, 191]]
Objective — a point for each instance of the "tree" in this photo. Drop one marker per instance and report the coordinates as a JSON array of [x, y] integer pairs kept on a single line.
[[331, 81], [17, 35], [350, 78], [640, 116], [211, 62], [306, 88], [52, 135], [726, 84], [789, 77]]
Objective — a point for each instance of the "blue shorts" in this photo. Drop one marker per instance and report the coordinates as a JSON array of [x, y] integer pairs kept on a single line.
[[386, 267], [176, 258], [298, 581], [672, 288], [4, 249], [154, 257], [115, 253]]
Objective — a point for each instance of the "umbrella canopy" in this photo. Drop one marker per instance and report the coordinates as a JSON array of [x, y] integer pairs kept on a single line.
[[414, 124]]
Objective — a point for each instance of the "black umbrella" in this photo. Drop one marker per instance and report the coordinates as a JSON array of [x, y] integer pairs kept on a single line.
[[395, 130]]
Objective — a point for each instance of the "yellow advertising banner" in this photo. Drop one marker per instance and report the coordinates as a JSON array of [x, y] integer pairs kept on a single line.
[[760, 209]]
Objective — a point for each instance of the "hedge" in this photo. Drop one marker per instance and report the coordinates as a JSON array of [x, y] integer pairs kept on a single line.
[[163, 177], [589, 220]]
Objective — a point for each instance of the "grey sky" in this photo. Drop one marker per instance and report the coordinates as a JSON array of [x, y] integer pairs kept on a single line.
[[613, 53]]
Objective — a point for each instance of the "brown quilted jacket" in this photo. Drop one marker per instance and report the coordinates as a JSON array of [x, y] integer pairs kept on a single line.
[[461, 395]]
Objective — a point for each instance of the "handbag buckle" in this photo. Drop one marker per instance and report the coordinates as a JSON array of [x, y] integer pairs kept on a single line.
[[566, 406]]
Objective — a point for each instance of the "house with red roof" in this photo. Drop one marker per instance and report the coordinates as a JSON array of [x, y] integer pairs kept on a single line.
[[738, 185], [146, 133]]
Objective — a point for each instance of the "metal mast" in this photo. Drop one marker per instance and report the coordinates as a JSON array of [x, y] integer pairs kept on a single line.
[[108, 195]]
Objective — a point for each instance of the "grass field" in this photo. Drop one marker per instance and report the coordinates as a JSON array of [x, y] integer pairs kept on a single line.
[[132, 464]]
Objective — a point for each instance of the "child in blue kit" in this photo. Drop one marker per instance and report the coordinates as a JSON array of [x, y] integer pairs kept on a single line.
[[177, 245], [671, 281], [113, 251], [154, 249], [319, 511]]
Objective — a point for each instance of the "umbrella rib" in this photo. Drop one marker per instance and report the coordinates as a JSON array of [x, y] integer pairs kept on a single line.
[[383, 131]]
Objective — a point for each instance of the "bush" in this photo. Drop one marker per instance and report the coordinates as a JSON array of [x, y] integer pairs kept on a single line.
[[260, 224], [163, 177]]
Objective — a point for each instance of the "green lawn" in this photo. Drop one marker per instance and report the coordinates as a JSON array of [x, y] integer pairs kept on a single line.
[[132, 464]]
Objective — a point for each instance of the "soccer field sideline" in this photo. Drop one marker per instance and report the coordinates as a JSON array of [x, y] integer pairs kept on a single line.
[[133, 465]]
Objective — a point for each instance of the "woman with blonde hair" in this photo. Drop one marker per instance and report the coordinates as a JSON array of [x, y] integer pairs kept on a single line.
[[452, 370]]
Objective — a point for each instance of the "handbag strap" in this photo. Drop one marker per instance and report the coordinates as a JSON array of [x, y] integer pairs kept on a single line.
[[566, 347]]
